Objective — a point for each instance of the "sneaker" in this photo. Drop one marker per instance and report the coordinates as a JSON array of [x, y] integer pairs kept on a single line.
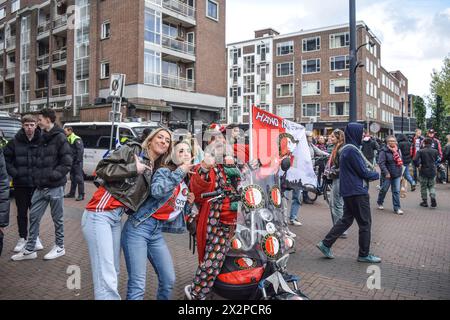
[[380, 207], [424, 204], [20, 245], [38, 245], [325, 250], [56, 252], [80, 197], [187, 292], [295, 222], [433, 203], [413, 187], [291, 234], [399, 212], [343, 236], [369, 259], [24, 255], [69, 195]]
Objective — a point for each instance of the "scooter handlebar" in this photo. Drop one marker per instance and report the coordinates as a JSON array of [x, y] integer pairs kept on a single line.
[[210, 194]]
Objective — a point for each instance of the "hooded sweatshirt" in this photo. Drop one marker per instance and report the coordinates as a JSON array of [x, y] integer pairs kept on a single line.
[[353, 170], [405, 148]]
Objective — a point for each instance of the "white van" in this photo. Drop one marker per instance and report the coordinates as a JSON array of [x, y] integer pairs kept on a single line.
[[96, 138]]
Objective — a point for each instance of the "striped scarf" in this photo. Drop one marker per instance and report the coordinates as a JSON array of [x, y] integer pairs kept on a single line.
[[397, 158]]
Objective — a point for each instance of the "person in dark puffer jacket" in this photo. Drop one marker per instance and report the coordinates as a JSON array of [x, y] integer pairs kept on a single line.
[[20, 157], [4, 198], [405, 147], [52, 165]]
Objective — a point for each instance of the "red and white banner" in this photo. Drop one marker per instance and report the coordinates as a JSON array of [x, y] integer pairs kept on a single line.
[[269, 133]]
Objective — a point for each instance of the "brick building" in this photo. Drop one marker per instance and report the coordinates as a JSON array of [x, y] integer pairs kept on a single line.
[[304, 76], [172, 52]]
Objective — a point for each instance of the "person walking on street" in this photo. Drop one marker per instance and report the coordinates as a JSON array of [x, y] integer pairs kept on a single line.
[[354, 177], [336, 200], [4, 198], [405, 149], [369, 147], [53, 162], [391, 166], [426, 160], [76, 172], [21, 156], [314, 152], [416, 145]]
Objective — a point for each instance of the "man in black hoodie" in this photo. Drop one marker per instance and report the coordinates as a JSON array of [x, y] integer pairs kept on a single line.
[[426, 160], [20, 157], [4, 198], [53, 162], [405, 147]]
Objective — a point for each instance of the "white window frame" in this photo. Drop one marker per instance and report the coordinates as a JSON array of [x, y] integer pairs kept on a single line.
[[334, 35], [15, 5], [304, 105], [291, 89], [4, 12], [193, 37], [305, 64], [289, 44], [333, 86], [311, 38], [333, 59], [207, 7], [103, 34], [193, 74], [103, 70], [291, 69], [292, 111], [317, 84], [346, 103]]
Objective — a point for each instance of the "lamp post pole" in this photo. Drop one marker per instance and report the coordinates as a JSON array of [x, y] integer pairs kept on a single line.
[[353, 110], [403, 101]]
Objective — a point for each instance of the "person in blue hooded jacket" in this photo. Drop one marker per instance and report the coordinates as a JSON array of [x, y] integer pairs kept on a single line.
[[355, 174]]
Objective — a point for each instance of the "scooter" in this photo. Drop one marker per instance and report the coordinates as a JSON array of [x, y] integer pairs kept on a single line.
[[256, 265]]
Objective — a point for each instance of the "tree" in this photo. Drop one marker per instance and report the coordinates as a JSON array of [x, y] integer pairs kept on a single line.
[[440, 84], [438, 118], [421, 112]]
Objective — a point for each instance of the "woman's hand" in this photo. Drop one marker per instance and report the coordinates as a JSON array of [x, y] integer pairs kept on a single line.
[[141, 167]]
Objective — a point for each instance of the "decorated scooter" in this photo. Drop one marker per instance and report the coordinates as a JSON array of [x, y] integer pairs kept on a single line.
[[255, 267]]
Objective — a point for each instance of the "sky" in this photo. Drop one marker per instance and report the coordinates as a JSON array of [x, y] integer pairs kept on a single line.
[[414, 34]]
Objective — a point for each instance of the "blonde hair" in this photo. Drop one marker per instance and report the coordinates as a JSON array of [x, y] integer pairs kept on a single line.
[[163, 159]]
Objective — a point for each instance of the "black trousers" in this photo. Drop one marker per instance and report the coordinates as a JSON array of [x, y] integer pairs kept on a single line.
[[77, 179], [355, 208], [23, 197]]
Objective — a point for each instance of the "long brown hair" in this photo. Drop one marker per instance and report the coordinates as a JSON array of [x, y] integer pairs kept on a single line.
[[340, 136], [163, 158]]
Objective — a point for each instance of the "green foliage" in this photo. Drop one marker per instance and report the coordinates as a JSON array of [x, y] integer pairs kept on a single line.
[[440, 84], [421, 112]]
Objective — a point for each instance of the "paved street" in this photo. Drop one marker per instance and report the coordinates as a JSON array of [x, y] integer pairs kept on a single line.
[[415, 249]]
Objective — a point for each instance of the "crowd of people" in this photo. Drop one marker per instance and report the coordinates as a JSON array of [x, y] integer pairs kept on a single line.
[[157, 183]]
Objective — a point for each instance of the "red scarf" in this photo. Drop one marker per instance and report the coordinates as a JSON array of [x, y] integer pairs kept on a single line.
[[397, 158]]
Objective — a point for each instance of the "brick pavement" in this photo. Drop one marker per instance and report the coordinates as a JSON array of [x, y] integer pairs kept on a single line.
[[415, 249]]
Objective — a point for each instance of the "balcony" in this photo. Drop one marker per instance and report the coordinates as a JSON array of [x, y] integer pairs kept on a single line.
[[59, 55], [43, 60], [43, 28], [60, 21], [10, 43], [186, 12], [41, 93], [177, 45], [10, 72], [10, 99], [59, 90], [177, 83]]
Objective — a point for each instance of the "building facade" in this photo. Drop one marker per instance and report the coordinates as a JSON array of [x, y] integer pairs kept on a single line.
[[304, 76], [171, 51]]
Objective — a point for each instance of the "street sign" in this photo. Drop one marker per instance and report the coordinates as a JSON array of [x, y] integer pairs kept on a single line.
[[375, 127], [115, 116], [116, 85]]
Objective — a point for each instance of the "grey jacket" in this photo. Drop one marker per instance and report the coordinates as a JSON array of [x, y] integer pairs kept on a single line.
[[119, 175]]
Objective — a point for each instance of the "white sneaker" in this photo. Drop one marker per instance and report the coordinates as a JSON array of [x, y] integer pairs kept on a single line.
[[295, 222], [291, 234], [24, 255], [380, 207], [399, 211], [38, 245], [56, 252], [20, 245]]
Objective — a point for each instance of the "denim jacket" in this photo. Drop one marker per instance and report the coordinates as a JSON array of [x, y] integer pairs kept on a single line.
[[163, 184]]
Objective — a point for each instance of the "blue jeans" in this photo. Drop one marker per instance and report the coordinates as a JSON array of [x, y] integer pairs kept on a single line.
[[144, 242], [408, 177], [102, 233], [395, 184], [295, 205]]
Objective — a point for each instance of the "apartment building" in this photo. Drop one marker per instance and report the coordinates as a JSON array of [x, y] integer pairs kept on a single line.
[[304, 76], [172, 52]]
